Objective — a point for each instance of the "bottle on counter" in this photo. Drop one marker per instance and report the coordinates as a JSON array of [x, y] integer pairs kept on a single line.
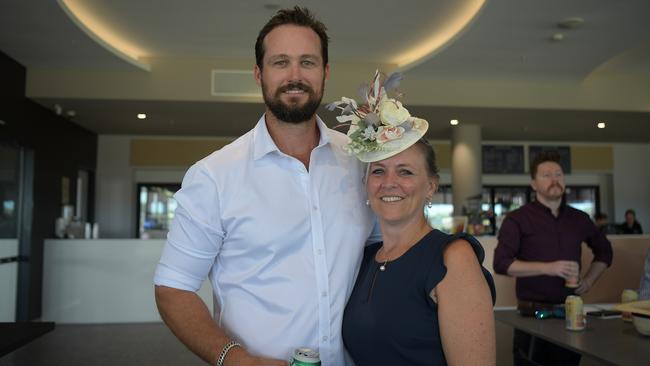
[[95, 232]]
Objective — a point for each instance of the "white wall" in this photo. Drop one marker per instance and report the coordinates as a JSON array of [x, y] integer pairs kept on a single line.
[[632, 182], [8, 280]]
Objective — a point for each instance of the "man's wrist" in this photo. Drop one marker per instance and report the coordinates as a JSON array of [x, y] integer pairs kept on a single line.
[[225, 351]]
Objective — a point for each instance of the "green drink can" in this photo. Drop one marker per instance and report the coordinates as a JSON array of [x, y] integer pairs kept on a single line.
[[305, 357]]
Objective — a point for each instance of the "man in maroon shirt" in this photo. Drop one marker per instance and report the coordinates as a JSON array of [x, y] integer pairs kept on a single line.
[[541, 244]]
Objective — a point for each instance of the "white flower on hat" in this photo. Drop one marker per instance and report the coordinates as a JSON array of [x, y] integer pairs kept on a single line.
[[385, 133], [392, 113]]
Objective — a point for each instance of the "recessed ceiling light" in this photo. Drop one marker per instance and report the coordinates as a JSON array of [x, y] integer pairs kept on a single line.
[[453, 122], [601, 125], [142, 116], [557, 37]]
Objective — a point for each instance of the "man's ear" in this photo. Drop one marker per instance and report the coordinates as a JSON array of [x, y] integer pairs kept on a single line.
[[257, 73]]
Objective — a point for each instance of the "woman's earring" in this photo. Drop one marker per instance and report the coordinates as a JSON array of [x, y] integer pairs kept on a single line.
[[430, 203], [367, 202]]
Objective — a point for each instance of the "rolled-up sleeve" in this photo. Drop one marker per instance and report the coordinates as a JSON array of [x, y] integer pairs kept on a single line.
[[600, 246], [196, 235], [507, 247]]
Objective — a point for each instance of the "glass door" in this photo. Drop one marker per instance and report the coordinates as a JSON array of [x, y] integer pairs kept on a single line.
[[156, 206], [9, 219]]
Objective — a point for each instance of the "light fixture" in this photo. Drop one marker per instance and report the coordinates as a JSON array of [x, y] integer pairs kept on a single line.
[[557, 37], [601, 125], [453, 122], [142, 116]]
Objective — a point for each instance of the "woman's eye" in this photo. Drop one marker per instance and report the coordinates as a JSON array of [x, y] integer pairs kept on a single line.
[[377, 171], [406, 172]]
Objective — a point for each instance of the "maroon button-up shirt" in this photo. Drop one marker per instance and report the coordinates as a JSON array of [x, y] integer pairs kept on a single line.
[[531, 233]]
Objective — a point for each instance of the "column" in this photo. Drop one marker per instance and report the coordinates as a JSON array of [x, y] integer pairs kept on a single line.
[[465, 166]]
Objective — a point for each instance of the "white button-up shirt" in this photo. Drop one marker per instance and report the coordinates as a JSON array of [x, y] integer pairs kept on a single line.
[[281, 245]]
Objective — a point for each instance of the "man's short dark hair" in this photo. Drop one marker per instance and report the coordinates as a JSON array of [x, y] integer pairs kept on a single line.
[[544, 157], [296, 16], [600, 216], [630, 211]]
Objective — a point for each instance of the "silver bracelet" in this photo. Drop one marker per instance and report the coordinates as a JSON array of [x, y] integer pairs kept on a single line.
[[224, 352]]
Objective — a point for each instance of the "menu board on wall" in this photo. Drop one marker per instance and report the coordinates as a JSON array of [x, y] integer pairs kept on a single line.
[[564, 151], [503, 159]]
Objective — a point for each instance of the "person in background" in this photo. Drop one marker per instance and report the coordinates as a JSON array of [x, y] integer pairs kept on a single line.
[[421, 296], [600, 220], [605, 227], [541, 245], [630, 226], [276, 220], [644, 287]]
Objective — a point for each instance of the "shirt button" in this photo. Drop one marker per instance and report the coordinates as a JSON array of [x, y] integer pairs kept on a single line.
[[315, 208], [320, 251], [324, 338], [323, 294]]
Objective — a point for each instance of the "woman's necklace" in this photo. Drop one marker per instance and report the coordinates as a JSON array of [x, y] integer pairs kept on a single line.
[[382, 267]]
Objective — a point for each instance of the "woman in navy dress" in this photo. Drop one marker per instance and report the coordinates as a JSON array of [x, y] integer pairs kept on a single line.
[[421, 296]]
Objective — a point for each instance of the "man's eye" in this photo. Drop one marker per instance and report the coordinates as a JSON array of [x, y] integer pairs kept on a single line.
[[308, 63], [280, 62]]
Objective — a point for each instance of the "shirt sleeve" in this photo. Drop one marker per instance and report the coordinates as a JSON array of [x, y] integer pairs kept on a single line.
[[196, 235], [600, 246], [507, 247]]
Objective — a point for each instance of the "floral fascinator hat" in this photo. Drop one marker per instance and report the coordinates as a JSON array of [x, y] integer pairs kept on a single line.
[[380, 127]]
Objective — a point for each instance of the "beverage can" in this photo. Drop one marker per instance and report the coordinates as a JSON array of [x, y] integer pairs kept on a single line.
[[628, 295], [574, 318], [305, 357]]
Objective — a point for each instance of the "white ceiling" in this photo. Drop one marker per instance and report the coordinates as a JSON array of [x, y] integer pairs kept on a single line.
[[500, 70]]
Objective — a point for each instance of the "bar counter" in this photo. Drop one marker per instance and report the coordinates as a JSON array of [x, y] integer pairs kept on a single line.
[[111, 280]]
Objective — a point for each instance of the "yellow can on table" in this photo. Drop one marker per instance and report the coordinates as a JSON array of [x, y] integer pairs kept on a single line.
[[574, 317], [628, 295]]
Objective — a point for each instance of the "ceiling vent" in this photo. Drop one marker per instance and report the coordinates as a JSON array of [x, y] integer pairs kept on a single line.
[[234, 83]]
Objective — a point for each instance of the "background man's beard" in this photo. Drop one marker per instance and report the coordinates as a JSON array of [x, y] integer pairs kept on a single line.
[[292, 114]]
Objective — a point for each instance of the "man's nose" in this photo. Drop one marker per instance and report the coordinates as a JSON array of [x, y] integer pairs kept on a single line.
[[295, 72]]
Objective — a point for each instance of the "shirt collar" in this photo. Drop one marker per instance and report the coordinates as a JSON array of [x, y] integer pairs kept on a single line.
[[541, 207], [264, 144]]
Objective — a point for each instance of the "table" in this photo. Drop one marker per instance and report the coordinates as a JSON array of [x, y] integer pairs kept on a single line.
[[609, 341]]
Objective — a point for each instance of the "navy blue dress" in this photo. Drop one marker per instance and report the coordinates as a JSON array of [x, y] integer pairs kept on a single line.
[[390, 318]]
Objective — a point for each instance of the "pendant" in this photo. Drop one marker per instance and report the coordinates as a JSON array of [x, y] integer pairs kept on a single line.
[[382, 268]]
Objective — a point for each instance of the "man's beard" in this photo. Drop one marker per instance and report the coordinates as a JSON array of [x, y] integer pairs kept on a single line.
[[555, 195], [292, 113]]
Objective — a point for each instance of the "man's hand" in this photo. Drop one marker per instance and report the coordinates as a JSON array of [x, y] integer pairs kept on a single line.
[[583, 287], [564, 269]]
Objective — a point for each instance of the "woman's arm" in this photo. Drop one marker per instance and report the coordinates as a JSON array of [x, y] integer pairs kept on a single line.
[[465, 309]]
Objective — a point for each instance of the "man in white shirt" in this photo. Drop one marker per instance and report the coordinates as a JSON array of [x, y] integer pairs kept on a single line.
[[277, 220]]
